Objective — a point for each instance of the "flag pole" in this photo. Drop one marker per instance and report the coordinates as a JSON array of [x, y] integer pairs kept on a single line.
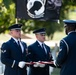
[[16, 20]]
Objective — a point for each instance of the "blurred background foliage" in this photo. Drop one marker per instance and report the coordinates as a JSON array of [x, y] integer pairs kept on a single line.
[[7, 18]]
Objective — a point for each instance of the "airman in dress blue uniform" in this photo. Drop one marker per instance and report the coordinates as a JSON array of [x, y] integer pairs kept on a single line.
[[13, 53], [39, 51], [66, 58]]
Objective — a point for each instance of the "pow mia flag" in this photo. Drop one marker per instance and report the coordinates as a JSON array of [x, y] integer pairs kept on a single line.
[[38, 9]]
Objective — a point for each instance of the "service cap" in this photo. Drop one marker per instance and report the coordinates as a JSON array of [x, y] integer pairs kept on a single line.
[[42, 30], [15, 26]]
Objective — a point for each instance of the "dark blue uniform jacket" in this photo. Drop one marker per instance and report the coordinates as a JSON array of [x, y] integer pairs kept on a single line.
[[37, 54], [11, 55], [67, 55]]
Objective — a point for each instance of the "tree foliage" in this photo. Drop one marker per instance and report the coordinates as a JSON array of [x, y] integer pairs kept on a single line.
[[7, 18]]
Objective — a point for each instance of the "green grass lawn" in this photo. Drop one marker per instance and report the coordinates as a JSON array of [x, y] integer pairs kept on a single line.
[[72, 15], [4, 37], [56, 71], [58, 36]]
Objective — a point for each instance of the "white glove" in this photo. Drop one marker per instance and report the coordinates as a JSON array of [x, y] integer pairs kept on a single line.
[[42, 65], [36, 64], [21, 64], [54, 62]]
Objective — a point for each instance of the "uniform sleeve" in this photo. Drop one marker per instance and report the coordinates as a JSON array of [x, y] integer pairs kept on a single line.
[[62, 55], [5, 56], [30, 54], [25, 45]]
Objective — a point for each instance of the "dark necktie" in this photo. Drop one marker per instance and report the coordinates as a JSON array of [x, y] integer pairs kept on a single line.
[[43, 48], [19, 45]]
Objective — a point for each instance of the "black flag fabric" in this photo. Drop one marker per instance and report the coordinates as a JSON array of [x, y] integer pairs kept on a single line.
[[38, 9]]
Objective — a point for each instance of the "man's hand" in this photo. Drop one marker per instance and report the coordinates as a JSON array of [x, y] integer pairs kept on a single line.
[[42, 65], [21, 64], [38, 64]]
